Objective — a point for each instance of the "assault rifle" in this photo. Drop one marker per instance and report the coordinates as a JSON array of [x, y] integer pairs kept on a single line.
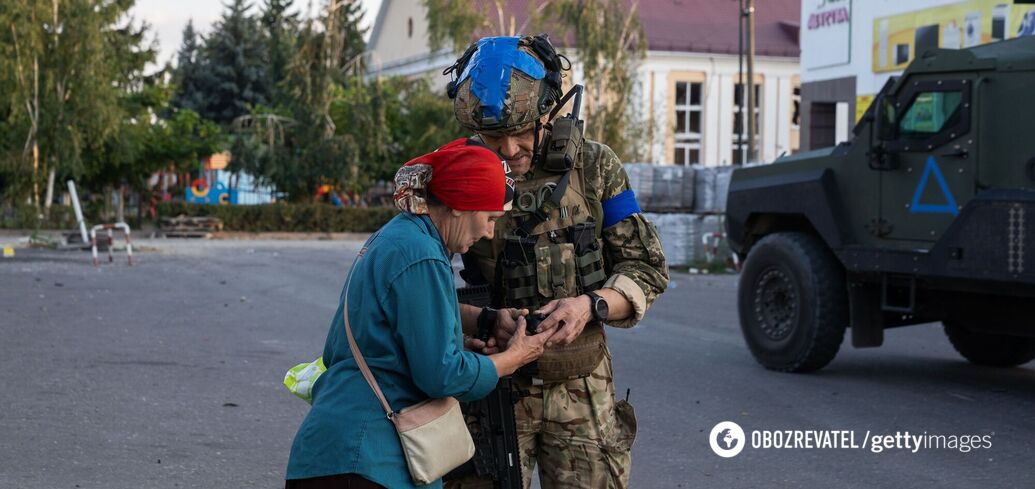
[[496, 453]]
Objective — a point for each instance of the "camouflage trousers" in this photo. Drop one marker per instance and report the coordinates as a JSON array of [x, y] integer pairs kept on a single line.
[[575, 431]]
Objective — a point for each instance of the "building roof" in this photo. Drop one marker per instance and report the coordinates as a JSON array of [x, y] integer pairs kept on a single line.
[[699, 26], [710, 26]]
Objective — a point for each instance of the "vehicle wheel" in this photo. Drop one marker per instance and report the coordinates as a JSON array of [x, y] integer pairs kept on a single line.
[[993, 350], [793, 303]]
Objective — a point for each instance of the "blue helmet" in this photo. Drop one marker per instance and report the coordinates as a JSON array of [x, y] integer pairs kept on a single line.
[[504, 83]]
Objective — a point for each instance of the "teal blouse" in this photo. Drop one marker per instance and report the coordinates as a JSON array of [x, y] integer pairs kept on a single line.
[[406, 321]]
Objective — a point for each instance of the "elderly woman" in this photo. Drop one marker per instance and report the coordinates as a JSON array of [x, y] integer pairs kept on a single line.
[[405, 319]]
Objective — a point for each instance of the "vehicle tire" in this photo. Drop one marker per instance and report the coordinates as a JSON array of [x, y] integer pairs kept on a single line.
[[993, 350], [793, 303]]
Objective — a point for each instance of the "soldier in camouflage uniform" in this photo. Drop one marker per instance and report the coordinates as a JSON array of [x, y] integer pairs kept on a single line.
[[590, 258]]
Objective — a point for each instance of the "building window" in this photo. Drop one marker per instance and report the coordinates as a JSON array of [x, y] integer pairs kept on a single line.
[[409, 27], [795, 119], [688, 123], [740, 146], [796, 110]]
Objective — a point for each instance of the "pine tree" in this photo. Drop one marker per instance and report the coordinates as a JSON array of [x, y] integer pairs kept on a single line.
[[187, 75], [234, 77], [280, 28], [351, 34]]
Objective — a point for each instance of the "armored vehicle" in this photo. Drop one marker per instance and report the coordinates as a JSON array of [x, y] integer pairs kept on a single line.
[[926, 215]]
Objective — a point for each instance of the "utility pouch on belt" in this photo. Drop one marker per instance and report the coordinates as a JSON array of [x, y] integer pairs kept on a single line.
[[572, 361]]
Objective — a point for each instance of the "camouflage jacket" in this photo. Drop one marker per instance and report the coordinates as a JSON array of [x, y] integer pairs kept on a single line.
[[633, 258]]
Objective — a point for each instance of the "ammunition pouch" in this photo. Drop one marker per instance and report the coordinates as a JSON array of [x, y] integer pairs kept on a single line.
[[519, 272], [589, 259], [555, 271], [572, 361]]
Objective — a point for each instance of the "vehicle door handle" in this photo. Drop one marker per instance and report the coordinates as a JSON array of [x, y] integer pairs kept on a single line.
[[959, 153]]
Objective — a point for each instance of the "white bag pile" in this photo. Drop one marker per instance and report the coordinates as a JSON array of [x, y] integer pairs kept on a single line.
[[671, 188]]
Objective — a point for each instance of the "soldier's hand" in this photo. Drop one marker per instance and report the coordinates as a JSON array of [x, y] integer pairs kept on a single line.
[[506, 324], [571, 314], [483, 347], [525, 348]]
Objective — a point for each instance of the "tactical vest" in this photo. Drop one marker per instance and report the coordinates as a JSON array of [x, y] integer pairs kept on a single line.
[[560, 257]]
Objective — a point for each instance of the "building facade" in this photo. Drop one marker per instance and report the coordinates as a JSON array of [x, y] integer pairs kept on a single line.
[[851, 48]]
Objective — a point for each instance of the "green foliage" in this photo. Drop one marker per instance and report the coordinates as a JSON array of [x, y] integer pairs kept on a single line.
[[297, 146], [609, 44], [283, 217], [25, 216], [187, 77], [181, 140], [452, 23], [287, 95], [65, 69], [406, 116], [234, 76], [279, 30]]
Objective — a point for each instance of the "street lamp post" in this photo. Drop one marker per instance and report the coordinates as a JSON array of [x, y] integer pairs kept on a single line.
[[751, 156]]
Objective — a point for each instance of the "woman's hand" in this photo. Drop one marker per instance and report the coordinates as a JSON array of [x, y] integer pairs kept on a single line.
[[521, 349], [483, 347], [506, 324]]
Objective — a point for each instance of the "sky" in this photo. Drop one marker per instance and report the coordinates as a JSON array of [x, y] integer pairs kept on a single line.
[[168, 18]]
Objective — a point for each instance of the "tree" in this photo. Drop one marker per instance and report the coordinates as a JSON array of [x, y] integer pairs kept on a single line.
[[452, 23], [296, 146], [351, 36], [187, 75], [234, 77], [66, 63], [610, 44], [405, 116], [279, 29]]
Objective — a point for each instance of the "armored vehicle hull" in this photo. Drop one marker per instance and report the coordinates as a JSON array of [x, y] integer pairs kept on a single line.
[[926, 215]]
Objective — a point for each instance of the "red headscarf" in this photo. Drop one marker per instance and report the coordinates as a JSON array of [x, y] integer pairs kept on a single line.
[[464, 174]]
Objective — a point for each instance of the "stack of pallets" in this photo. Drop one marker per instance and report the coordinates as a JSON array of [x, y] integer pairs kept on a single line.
[[183, 226]]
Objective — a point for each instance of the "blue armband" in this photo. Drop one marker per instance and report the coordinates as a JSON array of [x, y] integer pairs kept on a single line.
[[620, 207]]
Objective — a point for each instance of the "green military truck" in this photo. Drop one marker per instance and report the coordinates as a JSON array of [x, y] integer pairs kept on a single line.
[[926, 215]]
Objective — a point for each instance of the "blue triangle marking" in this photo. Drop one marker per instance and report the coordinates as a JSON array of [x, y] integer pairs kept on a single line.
[[949, 207]]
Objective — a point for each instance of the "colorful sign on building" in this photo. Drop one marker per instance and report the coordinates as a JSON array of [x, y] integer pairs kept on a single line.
[[201, 192], [897, 39]]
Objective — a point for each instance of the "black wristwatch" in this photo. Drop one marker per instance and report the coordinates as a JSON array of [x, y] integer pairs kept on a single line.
[[598, 306]]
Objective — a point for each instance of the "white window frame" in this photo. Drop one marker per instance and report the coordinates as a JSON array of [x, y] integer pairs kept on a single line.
[[688, 140], [742, 146]]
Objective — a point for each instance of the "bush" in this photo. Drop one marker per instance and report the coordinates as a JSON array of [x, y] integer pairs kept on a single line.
[[23, 216], [283, 217], [280, 217]]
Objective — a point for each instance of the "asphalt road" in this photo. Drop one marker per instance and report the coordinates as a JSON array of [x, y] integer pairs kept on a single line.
[[168, 374]]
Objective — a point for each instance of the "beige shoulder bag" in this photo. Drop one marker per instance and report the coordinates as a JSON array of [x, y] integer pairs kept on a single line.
[[434, 436]]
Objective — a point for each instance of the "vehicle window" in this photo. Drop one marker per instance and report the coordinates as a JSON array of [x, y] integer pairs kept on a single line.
[[929, 113]]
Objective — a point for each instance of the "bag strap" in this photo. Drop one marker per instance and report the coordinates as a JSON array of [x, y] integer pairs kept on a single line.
[[360, 361]]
